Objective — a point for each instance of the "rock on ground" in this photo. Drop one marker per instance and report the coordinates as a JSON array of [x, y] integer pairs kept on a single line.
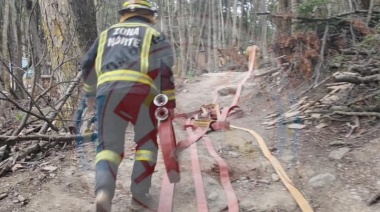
[[322, 180]]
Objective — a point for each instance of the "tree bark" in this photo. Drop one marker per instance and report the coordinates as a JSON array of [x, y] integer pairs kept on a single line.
[[70, 27], [16, 47], [234, 24], [5, 48], [284, 27]]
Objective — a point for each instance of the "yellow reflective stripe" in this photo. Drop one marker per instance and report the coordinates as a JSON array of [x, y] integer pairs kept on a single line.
[[170, 94], [149, 99], [123, 78], [127, 3], [109, 155], [144, 63], [126, 75], [130, 25], [99, 57], [144, 155], [89, 88]]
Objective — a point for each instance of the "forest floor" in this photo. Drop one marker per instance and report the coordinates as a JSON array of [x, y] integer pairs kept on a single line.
[[332, 175]]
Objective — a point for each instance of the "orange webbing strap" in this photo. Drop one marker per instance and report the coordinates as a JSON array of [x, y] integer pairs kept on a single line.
[[300, 199]]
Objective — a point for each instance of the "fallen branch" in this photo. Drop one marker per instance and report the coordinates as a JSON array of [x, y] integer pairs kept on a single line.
[[313, 86], [357, 79], [374, 108], [357, 52], [47, 121], [353, 127], [274, 70], [62, 101], [356, 113], [364, 98], [10, 140]]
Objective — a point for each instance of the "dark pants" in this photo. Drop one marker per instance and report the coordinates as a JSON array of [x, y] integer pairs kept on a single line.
[[115, 111]]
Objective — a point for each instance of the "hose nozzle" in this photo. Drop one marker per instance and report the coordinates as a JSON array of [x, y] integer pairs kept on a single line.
[[162, 113], [160, 100]]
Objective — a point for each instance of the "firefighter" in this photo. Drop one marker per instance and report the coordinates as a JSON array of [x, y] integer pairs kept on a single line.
[[126, 67], [249, 54]]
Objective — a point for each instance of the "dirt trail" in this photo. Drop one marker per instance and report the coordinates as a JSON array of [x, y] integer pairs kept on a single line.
[[258, 188]]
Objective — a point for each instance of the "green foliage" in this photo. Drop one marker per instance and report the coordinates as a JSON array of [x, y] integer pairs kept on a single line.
[[307, 7], [377, 28], [369, 41], [341, 58], [19, 116]]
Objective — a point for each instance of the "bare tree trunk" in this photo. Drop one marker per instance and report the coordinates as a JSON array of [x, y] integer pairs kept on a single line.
[[182, 38], [241, 20], [190, 31], [35, 45], [264, 30], [253, 27], [214, 33], [16, 47], [284, 26], [170, 7], [293, 9], [228, 21], [71, 29], [370, 9], [209, 31], [106, 13], [202, 16], [5, 48], [234, 24], [222, 38]]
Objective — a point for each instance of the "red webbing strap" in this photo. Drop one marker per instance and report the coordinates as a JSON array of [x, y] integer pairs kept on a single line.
[[186, 115], [166, 195], [197, 176], [167, 190], [192, 138], [168, 147], [239, 89], [172, 174], [232, 201]]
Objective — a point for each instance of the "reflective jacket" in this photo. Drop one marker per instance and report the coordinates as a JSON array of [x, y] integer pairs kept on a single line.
[[131, 53]]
